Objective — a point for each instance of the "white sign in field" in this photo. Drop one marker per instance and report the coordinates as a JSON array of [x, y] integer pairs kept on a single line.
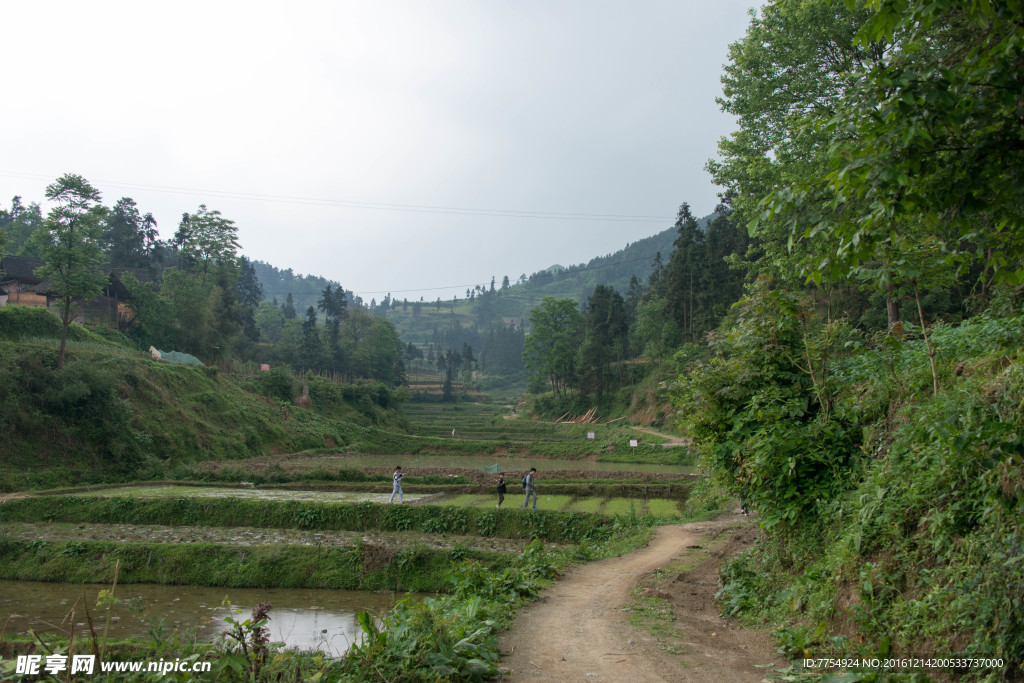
[[632, 443], [590, 435]]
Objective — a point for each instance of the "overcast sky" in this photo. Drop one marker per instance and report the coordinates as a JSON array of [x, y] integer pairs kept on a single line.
[[390, 146]]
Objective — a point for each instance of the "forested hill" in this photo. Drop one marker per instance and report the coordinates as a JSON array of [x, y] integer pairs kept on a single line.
[[517, 296], [578, 281], [306, 290]]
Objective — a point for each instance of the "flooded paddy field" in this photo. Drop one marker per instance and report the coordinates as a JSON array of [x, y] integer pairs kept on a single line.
[[659, 507], [322, 620], [247, 536], [248, 493]]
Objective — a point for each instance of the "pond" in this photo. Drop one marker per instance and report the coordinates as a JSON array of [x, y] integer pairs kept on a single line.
[[508, 463], [323, 620]]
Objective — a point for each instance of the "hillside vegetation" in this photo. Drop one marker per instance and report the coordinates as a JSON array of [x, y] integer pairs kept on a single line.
[[114, 413]]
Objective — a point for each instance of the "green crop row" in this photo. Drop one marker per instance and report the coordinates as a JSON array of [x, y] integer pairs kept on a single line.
[[365, 566], [553, 526]]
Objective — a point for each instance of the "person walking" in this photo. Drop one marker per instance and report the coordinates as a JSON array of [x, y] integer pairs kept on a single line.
[[502, 490], [397, 489], [529, 486]]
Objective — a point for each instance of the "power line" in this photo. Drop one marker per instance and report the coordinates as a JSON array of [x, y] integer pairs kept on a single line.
[[376, 206]]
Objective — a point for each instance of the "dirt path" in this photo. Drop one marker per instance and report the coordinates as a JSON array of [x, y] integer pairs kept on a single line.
[[673, 439], [580, 630]]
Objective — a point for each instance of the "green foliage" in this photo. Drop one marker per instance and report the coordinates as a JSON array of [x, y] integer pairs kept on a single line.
[[73, 253], [113, 415], [551, 349], [25, 322], [918, 546], [451, 637], [415, 568], [277, 383], [754, 409]]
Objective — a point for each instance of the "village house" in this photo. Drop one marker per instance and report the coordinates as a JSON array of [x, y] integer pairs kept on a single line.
[[20, 286]]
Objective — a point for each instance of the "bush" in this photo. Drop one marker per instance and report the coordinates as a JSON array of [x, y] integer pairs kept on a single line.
[[278, 384]]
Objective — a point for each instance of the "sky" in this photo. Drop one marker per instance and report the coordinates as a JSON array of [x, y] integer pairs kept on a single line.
[[415, 148]]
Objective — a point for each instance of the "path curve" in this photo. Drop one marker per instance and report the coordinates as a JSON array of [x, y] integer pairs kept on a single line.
[[673, 439], [579, 631]]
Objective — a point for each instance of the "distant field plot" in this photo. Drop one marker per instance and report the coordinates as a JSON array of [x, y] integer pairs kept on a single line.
[[587, 505], [553, 502], [622, 506], [484, 422], [470, 500], [660, 507], [253, 493]]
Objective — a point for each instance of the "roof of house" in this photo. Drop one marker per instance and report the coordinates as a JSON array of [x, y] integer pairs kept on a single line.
[[20, 267]]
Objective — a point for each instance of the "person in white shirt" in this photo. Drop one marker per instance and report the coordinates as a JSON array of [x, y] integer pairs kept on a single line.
[[530, 488], [398, 485]]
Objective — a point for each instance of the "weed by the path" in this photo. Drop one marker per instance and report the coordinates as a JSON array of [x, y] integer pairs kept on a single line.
[[655, 616]]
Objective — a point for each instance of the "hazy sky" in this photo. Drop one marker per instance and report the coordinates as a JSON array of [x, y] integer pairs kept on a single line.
[[388, 145]]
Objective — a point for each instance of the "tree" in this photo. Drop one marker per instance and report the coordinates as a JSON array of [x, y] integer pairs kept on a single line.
[[605, 331], [288, 307], [930, 143], [129, 237], [207, 238], [685, 270], [18, 225], [551, 348], [505, 284], [311, 349], [333, 303], [248, 287], [794, 66], [73, 253]]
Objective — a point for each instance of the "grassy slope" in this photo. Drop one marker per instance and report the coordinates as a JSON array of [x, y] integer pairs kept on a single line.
[[922, 555], [112, 413]]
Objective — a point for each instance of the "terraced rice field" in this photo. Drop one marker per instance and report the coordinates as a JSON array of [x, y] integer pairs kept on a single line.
[[496, 423], [659, 507], [485, 423], [252, 494]]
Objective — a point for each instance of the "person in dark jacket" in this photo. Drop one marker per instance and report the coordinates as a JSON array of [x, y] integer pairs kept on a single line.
[[502, 490]]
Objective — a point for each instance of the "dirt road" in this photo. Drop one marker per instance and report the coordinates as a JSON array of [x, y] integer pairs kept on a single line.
[[673, 439], [580, 629]]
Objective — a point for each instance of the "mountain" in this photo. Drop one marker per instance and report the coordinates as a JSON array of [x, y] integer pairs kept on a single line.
[[449, 323], [278, 284]]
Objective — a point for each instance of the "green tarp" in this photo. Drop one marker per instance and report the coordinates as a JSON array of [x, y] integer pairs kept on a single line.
[[493, 468], [179, 358]]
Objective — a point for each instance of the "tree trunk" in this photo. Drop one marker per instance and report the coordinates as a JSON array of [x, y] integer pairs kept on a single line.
[[892, 307], [66, 319]]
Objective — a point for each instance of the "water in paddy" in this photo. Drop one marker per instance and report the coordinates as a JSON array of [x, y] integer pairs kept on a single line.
[[304, 618], [253, 493], [477, 462]]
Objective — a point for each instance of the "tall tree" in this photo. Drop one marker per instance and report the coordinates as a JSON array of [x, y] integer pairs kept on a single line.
[[288, 307], [311, 349], [930, 144], [604, 339], [128, 236], [73, 253], [685, 271], [208, 239], [794, 66], [551, 348], [19, 224]]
